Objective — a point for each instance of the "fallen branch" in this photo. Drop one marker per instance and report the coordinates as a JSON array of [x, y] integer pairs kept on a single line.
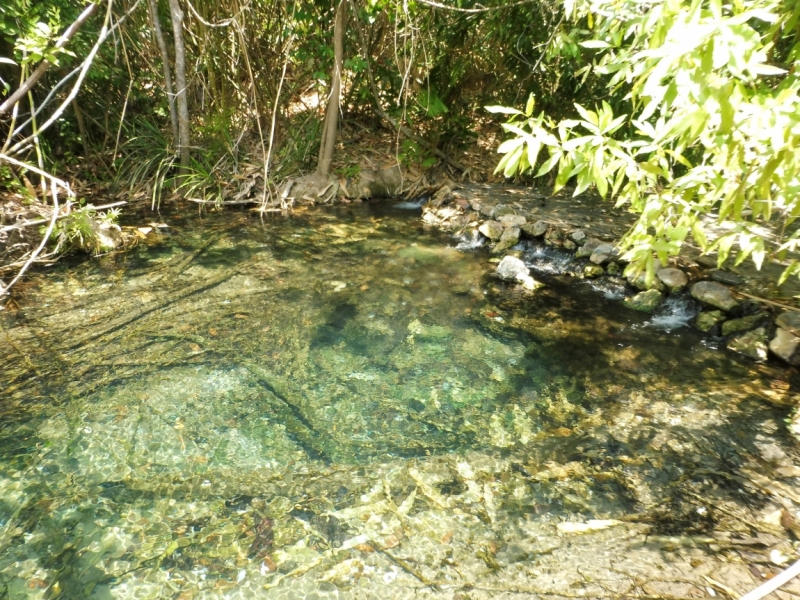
[[765, 301], [773, 584], [25, 224], [227, 203]]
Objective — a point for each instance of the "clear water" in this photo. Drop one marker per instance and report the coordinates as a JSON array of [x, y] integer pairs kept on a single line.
[[343, 404]]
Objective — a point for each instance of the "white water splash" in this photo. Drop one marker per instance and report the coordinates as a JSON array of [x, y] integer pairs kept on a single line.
[[411, 204], [675, 313], [470, 240]]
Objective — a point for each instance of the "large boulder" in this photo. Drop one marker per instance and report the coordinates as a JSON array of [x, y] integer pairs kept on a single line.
[[784, 346], [743, 324], [491, 229], [512, 220], [714, 294], [509, 239], [511, 268], [588, 247], [644, 301], [752, 344], [603, 253], [537, 229], [674, 279], [790, 321]]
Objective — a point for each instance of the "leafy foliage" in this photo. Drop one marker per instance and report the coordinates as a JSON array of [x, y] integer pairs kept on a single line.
[[713, 133]]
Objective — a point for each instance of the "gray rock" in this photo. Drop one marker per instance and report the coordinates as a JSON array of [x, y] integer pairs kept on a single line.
[[537, 229], [491, 229], [512, 269], [784, 346], [578, 236], [487, 210], [743, 324], [510, 234], [639, 281], [674, 279], [726, 277], [711, 292], [592, 271], [790, 321], [512, 220], [706, 321], [475, 205], [569, 245], [509, 239], [501, 210], [645, 301], [554, 237], [752, 344], [603, 253], [588, 247]]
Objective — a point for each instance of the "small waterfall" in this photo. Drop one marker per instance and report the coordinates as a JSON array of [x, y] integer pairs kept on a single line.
[[675, 313]]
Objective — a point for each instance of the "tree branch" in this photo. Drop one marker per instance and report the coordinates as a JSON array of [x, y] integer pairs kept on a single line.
[[26, 86]]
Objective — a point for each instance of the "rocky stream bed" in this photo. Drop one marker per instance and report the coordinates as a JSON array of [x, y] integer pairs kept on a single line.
[[347, 403]]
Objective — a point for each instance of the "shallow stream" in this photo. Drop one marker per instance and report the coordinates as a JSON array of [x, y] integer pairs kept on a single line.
[[342, 404]]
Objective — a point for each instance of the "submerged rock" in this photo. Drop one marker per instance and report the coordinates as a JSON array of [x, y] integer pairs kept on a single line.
[[715, 294], [569, 244], [706, 321], [537, 229], [790, 321], [674, 279], [592, 271], [644, 301], [784, 346], [743, 324], [511, 269], [752, 344]]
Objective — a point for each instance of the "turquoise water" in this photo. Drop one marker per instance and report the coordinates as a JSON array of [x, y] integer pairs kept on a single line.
[[343, 404]]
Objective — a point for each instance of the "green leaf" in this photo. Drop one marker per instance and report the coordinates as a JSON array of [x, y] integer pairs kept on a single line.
[[530, 105], [549, 164], [504, 110], [594, 44]]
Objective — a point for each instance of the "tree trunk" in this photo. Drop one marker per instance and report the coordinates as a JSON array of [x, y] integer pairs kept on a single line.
[[180, 81], [162, 46], [332, 109]]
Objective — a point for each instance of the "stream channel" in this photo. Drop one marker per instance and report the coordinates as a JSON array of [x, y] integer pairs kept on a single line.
[[343, 404]]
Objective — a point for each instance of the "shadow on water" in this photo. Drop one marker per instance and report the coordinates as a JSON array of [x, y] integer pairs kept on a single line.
[[251, 405]]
